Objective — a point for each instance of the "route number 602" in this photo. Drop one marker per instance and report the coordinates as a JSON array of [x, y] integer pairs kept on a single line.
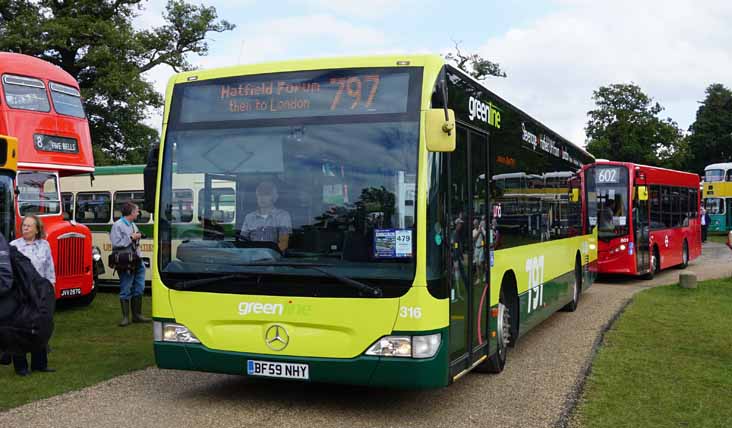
[[535, 271]]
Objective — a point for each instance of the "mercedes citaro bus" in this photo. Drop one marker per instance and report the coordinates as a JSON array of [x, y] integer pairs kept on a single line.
[[370, 243]]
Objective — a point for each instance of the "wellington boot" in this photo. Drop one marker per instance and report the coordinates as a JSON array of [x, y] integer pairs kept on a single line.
[[125, 313], [137, 310]]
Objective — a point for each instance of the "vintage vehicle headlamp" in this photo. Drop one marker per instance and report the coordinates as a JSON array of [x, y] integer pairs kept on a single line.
[[172, 332], [96, 254], [406, 346]]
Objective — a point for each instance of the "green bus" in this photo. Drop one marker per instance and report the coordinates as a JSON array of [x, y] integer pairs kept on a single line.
[[369, 242], [97, 204], [717, 194]]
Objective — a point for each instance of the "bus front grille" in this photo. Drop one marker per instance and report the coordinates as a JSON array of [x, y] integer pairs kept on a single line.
[[70, 256]]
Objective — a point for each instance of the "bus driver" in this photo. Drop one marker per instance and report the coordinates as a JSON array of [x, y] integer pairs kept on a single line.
[[267, 223]]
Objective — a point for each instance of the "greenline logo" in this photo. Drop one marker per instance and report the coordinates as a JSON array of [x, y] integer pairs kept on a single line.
[[289, 309], [485, 112]]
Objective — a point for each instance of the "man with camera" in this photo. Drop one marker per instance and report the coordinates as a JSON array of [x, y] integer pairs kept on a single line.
[[125, 238]]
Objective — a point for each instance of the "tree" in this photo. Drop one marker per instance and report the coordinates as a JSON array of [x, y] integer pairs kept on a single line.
[[711, 133], [95, 42], [475, 65], [625, 126]]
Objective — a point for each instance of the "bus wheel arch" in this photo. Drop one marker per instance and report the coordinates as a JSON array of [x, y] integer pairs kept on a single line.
[[509, 288]]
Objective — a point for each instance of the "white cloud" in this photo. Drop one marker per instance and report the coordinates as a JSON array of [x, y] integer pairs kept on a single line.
[[672, 49], [369, 10]]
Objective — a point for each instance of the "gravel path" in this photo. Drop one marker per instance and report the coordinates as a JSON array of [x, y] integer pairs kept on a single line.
[[537, 389]]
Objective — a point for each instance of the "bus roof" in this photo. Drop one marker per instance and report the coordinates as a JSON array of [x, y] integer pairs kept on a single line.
[[421, 60], [309, 64], [722, 165], [26, 65], [33, 127], [556, 135], [654, 173], [119, 169]]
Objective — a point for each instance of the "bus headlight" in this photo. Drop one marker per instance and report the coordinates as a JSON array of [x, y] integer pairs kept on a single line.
[[172, 332], [406, 346], [426, 346], [96, 254]]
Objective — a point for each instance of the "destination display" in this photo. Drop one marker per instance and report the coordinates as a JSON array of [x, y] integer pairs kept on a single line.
[[50, 143], [299, 94], [608, 175]]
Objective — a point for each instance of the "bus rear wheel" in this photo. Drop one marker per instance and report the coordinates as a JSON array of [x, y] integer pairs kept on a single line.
[[497, 361]]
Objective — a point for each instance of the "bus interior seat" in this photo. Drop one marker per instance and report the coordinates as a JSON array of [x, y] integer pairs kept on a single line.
[[117, 214]]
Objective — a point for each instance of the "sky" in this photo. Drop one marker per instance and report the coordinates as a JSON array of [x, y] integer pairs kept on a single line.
[[555, 52]]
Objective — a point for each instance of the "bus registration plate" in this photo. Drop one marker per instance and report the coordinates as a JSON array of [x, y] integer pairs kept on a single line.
[[273, 369]]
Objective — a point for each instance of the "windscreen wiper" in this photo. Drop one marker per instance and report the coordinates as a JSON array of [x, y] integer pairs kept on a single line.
[[194, 283], [368, 289]]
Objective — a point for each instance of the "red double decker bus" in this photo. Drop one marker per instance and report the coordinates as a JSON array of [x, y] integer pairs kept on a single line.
[[40, 105], [647, 217]]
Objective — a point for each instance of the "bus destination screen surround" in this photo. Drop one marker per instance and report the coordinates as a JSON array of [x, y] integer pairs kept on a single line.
[[297, 94], [612, 197]]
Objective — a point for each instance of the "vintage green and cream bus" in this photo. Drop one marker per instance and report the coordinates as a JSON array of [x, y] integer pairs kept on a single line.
[[97, 204], [367, 245]]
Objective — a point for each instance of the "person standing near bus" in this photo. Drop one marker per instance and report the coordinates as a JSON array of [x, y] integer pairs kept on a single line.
[[705, 219], [33, 245], [126, 236]]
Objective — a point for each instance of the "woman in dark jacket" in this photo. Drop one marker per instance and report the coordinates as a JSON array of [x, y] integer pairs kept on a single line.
[[33, 245]]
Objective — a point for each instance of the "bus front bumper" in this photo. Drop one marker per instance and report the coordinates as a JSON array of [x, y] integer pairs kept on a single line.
[[362, 370]]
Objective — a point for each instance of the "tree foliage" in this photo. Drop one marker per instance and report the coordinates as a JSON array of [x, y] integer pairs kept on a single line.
[[625, 126], [95, 42], [475, 65], [710, 140]]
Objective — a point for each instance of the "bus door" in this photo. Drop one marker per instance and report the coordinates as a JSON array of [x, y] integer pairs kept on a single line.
[[641, 232], [727, 216], [469, 256]]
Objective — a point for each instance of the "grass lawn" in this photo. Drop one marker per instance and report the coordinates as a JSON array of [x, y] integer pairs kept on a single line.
[[667, 362], [722, 239], [87, 348]]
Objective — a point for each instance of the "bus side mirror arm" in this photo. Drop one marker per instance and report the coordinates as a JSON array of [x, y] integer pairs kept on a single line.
[[150, 176]]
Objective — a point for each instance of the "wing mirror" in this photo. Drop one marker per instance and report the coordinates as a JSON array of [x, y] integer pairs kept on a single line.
[[440, 130]]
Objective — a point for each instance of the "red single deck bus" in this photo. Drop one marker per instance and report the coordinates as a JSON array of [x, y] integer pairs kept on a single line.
[[647, 217], [40, 105]]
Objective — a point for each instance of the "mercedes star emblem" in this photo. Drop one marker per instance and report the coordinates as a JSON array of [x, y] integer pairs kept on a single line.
[[276, 337]]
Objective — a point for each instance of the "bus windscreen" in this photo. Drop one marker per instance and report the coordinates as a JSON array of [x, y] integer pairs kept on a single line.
[[612, 197], [297, 94]]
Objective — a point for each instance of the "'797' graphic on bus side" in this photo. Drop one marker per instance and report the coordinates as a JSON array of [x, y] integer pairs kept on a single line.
[[535, 270]]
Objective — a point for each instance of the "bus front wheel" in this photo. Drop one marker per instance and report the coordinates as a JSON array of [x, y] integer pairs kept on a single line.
[[684, 255], [497, 361]]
